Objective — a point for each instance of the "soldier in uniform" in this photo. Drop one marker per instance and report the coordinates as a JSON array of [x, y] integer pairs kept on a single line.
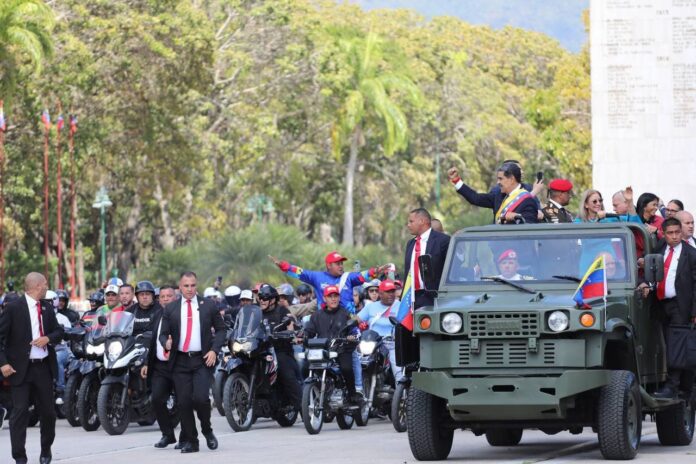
[[559, 197]]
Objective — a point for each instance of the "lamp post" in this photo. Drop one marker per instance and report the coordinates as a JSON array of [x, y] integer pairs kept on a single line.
[[101, 202]]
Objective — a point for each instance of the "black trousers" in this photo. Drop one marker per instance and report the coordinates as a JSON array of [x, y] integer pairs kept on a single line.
[[345, 363], [678, 379], [37, 388], [162, 381], [406, 345], [287, 374], [193, 379]]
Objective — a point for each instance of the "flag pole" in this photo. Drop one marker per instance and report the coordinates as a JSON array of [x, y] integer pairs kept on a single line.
[[46, 118], [73, 205], [3, 126], [59, 196]]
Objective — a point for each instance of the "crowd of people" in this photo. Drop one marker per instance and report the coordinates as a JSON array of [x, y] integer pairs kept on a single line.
[[189, 329]]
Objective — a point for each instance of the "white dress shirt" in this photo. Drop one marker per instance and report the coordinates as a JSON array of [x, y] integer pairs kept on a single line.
[[691, 241], [195, 342], [423, 243], [36, 352], [670, 290], [160, 348]]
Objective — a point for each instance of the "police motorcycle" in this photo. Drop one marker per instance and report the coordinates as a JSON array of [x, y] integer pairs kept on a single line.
[[91, 371], [324, 389], [123, 394], [378, 379], [251, 389]]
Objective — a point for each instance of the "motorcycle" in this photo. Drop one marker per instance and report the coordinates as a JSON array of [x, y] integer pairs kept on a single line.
[[398, 406], [221, 375], [324, 389], [73, 378], [251, 390], [91, 371], [123, 395], [378, 379]]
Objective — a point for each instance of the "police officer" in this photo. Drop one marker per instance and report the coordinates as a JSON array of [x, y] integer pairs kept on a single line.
[[274, 315], [145, 309], [559, 197], [63, 299]]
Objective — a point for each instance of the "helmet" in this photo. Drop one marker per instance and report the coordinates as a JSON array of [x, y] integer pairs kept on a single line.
[[303, 289], [51, 295], [115, 281], [232, 290], [370, 284], [285, 290], [97, 297], [144, 286], [208, 292], [267, 292], [62, 295]]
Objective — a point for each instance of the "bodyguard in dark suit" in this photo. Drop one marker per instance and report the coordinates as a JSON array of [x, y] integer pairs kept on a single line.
[[197, 333], [28, 332], [426, 241], [677, 295], [509, 201]]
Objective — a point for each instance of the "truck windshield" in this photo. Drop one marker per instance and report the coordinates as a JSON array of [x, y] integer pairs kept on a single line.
[[539, 258]]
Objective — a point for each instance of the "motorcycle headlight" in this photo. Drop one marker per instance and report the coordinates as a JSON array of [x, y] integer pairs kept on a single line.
[[558, 321], [246, 347], [367, 348], [452, 323], [315, 355], [95, 349], [115, 350]]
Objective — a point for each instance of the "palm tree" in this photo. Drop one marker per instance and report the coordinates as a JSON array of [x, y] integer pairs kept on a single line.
[[25, 27], [370, 100]]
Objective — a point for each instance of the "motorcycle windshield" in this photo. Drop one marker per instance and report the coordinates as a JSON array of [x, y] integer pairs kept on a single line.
[[249, 323], [119, 324], [93, 328]]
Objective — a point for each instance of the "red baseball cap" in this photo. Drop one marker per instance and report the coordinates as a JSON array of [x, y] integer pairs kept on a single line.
[[331, 289], [561, 185], [507, 254], [387, 286], [398, 283], [334, 257]]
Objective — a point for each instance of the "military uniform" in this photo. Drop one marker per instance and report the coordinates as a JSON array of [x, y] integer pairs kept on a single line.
[[555, 214]]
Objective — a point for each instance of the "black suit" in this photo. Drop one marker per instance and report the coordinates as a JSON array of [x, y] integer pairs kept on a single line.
[[682, 308], [493, 199], [32, 381], [191, 376], [436, 247]]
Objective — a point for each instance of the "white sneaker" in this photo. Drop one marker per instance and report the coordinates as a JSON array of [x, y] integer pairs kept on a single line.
[[59, 401]]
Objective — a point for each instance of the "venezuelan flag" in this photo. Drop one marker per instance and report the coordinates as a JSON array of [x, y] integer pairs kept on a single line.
[[405, 312], [593, 285]]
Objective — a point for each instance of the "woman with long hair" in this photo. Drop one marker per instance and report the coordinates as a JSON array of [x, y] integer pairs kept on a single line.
[[646, 207]]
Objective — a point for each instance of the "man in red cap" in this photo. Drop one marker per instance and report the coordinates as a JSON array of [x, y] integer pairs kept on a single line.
[[508, 265], [560, 191]]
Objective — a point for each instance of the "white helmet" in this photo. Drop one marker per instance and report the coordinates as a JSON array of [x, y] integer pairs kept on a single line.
[[208, 292], [232, 290], [51, 295]]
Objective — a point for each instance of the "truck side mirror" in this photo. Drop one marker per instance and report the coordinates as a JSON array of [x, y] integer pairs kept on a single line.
[[654, 268], [425, 264]]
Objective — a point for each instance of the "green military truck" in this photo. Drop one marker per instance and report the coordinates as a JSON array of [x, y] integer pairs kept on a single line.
[[506, 348]]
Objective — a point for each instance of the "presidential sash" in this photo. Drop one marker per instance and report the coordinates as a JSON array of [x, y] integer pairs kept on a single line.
[[511, 202]]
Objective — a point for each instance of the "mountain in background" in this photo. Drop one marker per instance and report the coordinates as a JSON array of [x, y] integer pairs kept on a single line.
[[560, 19]]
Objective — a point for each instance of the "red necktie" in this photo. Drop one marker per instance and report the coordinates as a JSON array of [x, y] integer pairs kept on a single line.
[[661, 285], [189, 326], [416, 269], [38, 311]]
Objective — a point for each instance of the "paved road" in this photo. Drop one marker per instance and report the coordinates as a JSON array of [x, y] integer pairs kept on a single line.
[[376, 443]]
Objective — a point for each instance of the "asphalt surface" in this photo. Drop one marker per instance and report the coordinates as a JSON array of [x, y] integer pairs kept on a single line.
[[266, 442]]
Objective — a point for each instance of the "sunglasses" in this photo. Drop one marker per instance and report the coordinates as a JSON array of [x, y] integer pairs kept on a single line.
[[372, 289], [264, 298], [594, 202]]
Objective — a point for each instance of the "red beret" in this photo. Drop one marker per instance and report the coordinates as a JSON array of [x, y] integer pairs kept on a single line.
[[561, 185], [507, 254]]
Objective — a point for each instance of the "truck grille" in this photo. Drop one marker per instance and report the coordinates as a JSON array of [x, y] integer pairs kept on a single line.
[[506, 353], [503, 325]]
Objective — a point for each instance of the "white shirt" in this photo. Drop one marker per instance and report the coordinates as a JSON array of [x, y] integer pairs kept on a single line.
[[670, 290], [160, 348], [691, 241], [195, 342], [36, 352], [423, 243]]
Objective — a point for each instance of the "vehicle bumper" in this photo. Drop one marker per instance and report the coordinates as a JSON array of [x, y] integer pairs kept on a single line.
[[495, 398]]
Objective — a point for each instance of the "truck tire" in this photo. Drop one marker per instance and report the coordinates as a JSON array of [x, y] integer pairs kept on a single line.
[[619, 417], [504, 437], [675, 426], [428, 439]]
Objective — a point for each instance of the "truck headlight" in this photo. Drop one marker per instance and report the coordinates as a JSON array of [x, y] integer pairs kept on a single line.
[[558, 321], [367, 348], [115, 350], [452, 323]]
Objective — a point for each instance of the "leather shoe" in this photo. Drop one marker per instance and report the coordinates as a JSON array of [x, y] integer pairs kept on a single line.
[[210, 440], [45, 459], [21, 461], [665, 392], [189, 448], [165, 441], [180, 445]]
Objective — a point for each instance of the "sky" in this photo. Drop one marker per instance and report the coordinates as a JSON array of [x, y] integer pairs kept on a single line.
[[560, 19]]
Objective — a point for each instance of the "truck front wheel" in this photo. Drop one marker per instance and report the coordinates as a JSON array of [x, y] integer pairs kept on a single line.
[[425, 416], [619, 418], [504, 437]]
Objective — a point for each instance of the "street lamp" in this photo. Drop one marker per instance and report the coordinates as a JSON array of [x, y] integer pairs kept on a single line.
[[101, 202]]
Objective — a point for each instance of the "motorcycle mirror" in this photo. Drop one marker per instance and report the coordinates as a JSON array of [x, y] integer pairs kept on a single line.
[[102, 320]]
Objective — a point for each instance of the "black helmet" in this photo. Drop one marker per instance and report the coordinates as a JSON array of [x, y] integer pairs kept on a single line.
[[267, 292], [97, 297], [144, 286], [303, 289], [62, 294]]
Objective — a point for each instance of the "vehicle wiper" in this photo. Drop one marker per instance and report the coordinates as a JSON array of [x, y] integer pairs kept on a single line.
[[567, 277], [510, 283]]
